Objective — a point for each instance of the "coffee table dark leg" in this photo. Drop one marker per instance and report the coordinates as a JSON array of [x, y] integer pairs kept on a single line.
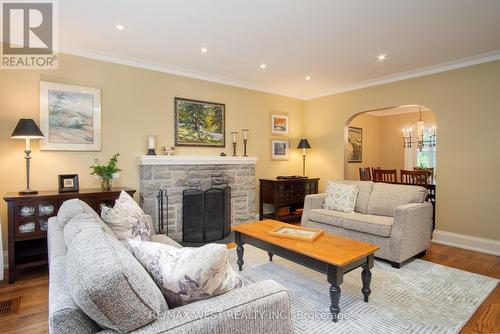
[[239, 249], [335, 277], [366, 277], [270, 256]]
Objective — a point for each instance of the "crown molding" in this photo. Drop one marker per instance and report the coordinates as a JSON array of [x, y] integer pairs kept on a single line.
[[444, 67], [170, 70], [461, 63]]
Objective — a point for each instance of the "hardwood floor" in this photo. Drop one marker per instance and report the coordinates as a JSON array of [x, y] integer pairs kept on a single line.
[[33, 289]]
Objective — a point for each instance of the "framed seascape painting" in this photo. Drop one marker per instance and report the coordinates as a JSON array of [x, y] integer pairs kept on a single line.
[[70, 117], [279, 149], [355, 145], [279, 124], [199, 123]]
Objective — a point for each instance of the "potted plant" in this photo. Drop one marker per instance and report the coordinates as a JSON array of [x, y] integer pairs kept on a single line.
[[106, 173]]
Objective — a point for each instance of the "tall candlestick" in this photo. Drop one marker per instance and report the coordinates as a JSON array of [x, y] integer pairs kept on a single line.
[[234, 133]]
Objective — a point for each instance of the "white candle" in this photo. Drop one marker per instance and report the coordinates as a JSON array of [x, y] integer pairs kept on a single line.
[[151, 142], [234, 137], [245, 135]]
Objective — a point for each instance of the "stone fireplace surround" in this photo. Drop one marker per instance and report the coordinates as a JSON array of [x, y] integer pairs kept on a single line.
[[176, 172]]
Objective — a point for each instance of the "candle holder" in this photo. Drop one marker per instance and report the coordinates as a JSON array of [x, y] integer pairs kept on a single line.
[[151, 145], [234, 149], [245, 142], [234, 133]]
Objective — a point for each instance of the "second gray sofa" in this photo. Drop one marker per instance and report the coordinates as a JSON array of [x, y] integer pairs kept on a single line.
[[394, 217]]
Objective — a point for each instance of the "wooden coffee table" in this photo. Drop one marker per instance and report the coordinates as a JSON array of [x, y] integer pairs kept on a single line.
[[330, 254]]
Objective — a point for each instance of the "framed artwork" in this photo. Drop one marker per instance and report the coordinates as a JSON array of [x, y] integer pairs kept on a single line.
[[68, 183], [70, 117], [279, 124], [199, 123], [355, 145], [279, 149]]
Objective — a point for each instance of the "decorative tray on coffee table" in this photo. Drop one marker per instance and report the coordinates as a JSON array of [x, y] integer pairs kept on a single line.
[[296, 232]]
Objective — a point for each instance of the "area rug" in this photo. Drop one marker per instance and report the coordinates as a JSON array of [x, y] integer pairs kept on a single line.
[[421, 297]]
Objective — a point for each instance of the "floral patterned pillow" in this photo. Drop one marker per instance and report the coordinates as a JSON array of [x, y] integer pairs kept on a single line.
[[185, 275], [341, 197], [127, 220]]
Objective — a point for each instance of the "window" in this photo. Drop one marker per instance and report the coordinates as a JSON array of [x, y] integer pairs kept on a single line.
[[427, 157]]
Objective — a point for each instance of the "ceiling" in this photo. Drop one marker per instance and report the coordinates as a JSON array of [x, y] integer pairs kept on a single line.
[[335, 42]]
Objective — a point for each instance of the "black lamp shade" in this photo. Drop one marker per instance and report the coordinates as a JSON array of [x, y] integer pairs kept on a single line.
[[303, 144], [26, 128]]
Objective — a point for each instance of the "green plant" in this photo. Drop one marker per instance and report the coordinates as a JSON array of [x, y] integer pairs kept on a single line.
[[106, 171], [422, 166]]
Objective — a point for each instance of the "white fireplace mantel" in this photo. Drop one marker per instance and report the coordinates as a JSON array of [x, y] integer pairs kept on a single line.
[[177, 160]]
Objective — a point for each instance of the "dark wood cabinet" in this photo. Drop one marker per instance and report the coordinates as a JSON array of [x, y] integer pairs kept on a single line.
[[285, 198], [28, 217]]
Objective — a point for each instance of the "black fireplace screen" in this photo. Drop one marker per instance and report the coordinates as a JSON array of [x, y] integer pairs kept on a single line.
[[206, 214]]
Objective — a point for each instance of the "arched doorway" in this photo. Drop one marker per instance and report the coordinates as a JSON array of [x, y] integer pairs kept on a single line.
[[375, 138]]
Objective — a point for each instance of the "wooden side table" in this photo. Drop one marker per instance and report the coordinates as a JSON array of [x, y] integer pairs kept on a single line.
[[285, 193], [28, 222]]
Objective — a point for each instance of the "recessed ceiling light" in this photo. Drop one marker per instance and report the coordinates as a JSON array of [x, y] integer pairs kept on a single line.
[[204, 50], [382, 57], [120, 27], [263, 66], [308, 78]]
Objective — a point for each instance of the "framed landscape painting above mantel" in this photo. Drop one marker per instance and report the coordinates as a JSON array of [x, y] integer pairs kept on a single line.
[[199, 123], [70, 117]]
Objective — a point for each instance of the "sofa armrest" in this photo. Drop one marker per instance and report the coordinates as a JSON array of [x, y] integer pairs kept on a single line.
[[262, 307], [312, 202], [413, 228]]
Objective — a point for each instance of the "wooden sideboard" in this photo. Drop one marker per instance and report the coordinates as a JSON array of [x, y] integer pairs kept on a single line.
[[28, 222], [286, 197]]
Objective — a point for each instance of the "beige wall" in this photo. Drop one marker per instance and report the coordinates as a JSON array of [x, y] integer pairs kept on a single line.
[[135, 103], [466, 103], [382, 140]]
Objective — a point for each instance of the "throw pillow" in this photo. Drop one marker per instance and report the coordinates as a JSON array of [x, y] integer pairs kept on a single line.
[[185, 275], [127, 220], [341, 197]]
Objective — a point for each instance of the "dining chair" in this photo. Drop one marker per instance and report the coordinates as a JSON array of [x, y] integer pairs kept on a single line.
[[417, 177], [364, 174], [430, 172], [385, 175]]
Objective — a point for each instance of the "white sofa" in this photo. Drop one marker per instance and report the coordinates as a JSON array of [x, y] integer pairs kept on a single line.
[[394, 217]]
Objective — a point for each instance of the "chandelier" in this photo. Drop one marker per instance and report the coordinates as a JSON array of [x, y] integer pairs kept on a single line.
[[421, 140]]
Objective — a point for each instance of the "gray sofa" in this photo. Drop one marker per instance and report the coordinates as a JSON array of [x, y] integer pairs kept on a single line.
[[394, 217], [96, 285]]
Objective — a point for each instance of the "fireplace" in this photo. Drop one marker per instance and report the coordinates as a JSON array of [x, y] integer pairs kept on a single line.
[[178, 173], [206, 214]]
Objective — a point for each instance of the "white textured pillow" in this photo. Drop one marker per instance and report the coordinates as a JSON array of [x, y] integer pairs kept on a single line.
[[185, 275], [341, 197], [127, 220]]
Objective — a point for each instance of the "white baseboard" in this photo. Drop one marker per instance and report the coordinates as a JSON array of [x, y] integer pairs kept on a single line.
[[476, 244]]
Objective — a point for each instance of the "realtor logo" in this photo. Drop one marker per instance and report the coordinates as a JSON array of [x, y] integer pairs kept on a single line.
[[28, 35]]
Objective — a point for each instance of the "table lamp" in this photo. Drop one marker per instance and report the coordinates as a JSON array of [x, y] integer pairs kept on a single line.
[[304, 144], [27, 129]]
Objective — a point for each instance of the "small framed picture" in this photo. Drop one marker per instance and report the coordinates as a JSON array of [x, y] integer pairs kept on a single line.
[[68, 183], [279, 124], [355, 145], [279, 149]]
